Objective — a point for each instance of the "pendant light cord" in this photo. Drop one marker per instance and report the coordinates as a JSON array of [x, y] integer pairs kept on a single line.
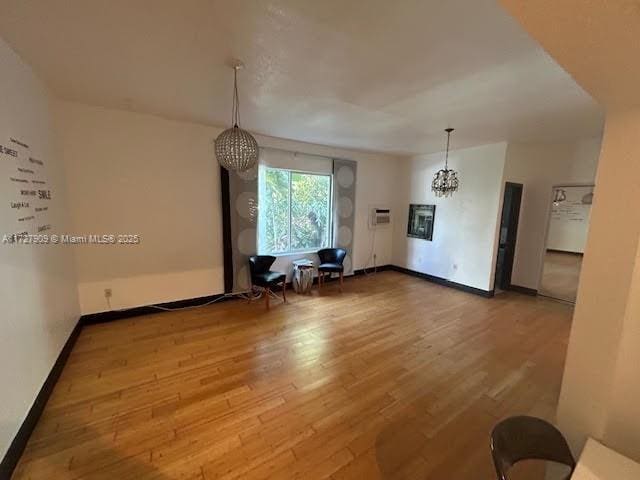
[[446, 157], [235, 112]]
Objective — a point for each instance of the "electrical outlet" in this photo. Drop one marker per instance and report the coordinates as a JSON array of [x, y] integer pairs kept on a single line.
[[108, 293]]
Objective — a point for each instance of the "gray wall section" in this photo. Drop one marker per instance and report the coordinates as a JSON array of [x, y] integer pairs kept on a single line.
[[344, 208], [243, 199]]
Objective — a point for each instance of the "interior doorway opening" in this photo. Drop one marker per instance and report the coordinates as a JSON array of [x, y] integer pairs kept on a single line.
[[508, 235], [568, 226]]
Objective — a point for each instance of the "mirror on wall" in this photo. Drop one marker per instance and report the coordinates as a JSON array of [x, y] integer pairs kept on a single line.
[[566, 239]]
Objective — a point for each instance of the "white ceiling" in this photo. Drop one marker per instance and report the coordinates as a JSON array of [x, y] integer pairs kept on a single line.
[[378, 75]]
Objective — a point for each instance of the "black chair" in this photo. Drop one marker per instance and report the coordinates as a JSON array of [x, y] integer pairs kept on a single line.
[[263, 277], [331, 262], [528, 438]]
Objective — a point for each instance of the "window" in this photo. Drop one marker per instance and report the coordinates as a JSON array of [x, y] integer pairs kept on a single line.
[[295, 211]]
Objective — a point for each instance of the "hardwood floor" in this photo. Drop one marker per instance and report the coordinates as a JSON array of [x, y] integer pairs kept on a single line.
[[394, 378]]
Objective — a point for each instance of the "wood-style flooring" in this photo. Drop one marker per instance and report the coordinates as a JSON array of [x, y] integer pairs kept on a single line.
[[393, 378]]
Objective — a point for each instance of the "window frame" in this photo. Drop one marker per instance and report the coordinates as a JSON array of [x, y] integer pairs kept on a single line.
[[290, 252]]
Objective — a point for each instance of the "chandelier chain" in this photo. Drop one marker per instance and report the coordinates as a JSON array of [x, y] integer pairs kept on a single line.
[[446, 157]]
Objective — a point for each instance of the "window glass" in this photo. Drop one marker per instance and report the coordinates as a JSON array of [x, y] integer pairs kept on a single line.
[[310, 211], [294, 211]]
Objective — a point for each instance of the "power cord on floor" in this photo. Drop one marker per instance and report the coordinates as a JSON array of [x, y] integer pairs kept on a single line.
[[226, 296], [211, 302]]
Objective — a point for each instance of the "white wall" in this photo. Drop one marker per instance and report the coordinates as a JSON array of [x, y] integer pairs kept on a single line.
[[137, 174], [465, 228], [142, 174], [622, 428], [37, 282], [600, 396], [538, 167], [584, 160]]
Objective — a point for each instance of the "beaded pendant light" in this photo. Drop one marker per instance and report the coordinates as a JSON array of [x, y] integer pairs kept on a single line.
[[235, 148], [445, 181]]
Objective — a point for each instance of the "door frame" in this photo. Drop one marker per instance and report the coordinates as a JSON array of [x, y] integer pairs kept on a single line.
[[548, 223], [504, 190]]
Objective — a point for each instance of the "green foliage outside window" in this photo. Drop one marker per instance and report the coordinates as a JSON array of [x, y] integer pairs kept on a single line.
[[294, 211]]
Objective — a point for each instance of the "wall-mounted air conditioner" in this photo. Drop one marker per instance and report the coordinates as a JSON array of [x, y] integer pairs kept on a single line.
[[379, 217]]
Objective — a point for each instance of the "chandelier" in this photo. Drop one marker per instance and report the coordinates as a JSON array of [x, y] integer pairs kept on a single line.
[[445, 181], [235, 148]]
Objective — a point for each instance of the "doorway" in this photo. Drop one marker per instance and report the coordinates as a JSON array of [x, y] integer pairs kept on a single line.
[[566, 237], [508, 235]]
